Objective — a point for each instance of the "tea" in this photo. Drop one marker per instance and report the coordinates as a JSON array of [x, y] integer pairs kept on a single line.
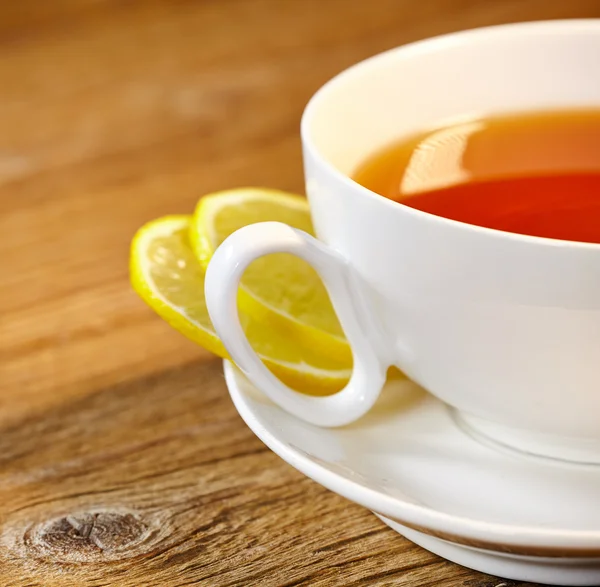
[[533, 173]]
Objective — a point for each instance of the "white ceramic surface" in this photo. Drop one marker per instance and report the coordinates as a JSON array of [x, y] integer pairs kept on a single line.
[[503, 327], [521, 517], [546, 570]]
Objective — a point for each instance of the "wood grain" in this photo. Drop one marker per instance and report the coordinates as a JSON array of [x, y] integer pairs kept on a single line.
[[123, 460]]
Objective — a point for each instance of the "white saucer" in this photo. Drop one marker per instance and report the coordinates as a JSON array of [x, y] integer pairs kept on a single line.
[[495, 511]]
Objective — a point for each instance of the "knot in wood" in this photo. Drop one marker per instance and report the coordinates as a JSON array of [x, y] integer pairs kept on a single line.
[[89, 536]]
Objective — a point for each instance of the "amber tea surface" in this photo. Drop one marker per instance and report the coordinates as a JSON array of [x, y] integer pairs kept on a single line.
[[529, 173]]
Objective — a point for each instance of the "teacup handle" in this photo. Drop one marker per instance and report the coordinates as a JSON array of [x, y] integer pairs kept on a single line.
[[221, 287]]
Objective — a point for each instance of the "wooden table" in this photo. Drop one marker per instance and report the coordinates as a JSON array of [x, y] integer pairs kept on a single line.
[[123, 459]]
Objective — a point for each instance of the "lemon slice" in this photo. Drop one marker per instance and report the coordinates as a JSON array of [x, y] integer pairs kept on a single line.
[[280, 289], [167, 276]]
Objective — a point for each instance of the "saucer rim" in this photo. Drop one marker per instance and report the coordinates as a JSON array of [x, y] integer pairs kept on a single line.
[[513, 539]]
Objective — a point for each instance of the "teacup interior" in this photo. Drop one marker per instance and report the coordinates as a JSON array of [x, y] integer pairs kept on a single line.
[[523, 67]]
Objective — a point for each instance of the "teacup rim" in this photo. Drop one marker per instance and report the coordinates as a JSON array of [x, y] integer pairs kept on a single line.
[[423, 46]]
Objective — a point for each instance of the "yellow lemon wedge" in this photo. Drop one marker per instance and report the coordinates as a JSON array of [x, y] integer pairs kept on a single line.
[[280, 290], [167, 276]]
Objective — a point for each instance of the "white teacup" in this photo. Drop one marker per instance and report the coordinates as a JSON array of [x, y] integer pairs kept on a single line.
[[504, 328]]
